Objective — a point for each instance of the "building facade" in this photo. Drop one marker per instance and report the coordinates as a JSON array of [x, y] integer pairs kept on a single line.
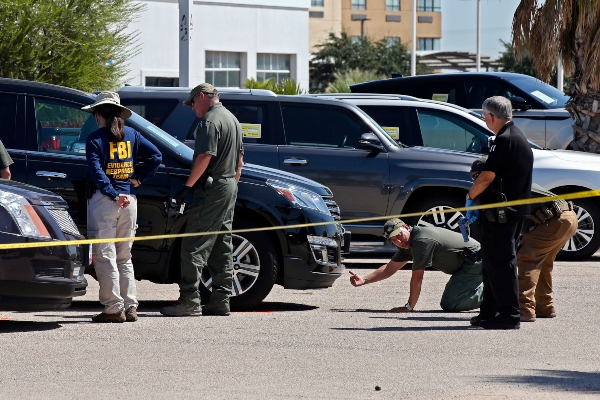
[[377, 19], [231, 41]]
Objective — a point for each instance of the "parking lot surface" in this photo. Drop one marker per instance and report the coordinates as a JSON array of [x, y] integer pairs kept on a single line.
[[336, 343]]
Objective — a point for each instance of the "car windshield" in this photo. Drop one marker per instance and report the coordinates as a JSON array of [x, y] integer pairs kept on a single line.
[[155, 132], [548, 95]]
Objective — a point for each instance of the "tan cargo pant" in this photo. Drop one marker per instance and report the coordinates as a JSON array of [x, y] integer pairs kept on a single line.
[[112, 261], [535, 261]]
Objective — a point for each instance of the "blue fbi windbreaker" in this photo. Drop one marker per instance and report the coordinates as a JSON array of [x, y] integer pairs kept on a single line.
[[111, 163]]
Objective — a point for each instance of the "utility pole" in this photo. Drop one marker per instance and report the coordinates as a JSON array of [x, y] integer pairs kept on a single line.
[[560, 75], [478, 59], [188, 54], [413, 48]]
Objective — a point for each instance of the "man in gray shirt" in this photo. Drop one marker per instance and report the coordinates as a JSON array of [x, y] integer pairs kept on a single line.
[[438, 248]]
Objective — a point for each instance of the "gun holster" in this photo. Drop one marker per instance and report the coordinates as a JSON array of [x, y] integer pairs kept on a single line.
[[470, 257]]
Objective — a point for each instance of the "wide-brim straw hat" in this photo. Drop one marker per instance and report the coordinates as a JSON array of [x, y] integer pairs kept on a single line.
[[108, 98]]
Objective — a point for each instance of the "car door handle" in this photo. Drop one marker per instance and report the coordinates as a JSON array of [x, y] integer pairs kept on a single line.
[[50, 175], [295, 161]]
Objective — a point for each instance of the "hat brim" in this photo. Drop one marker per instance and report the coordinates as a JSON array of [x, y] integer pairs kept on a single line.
[[125, 112], [188, 101], [395, 232]]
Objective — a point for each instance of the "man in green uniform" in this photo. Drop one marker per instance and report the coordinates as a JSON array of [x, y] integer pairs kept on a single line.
[[215, 172], [439, 248]]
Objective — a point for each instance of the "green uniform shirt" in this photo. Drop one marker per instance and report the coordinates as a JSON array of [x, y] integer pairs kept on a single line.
[[435, 247], [220, 135], [5, 160]]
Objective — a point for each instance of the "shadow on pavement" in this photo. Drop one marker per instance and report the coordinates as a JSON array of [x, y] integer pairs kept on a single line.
[[424, 319], [357, 310], [27, 326], [571, 381], [413, 328]]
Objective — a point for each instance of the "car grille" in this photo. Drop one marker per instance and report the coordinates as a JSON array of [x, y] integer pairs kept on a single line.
[[334, 209], [64, 221], [53, 269]]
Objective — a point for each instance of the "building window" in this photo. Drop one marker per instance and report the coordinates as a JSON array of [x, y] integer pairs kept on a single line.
[[317, 3], [429, 43], [359, 4], [222, 68], [162, 82], [430, 5], [392, 40], [272, 66], [392, 5]]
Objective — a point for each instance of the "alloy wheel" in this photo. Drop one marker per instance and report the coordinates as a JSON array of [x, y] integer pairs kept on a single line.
[[246, 266]]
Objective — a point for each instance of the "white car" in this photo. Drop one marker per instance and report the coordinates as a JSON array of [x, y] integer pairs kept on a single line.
[[428, 123]]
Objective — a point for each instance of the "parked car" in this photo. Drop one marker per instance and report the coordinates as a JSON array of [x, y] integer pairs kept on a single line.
[[332, 142], [44, 131], [539, 108], [38, 278], [416, 122]]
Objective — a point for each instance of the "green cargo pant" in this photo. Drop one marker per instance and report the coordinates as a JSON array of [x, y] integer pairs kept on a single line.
[[211, 211], [464, 290]]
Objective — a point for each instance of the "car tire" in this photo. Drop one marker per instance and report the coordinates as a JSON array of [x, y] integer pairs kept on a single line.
[[586, 240], [448, 220], [254, 268]]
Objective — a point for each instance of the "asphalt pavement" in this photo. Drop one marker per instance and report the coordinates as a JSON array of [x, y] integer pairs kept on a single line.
[[336, 343]]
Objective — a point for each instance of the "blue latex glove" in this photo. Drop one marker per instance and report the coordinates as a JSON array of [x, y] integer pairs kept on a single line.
[[472, 215]]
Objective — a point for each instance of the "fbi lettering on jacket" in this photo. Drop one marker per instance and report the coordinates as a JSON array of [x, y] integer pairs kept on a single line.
[[122, 167]]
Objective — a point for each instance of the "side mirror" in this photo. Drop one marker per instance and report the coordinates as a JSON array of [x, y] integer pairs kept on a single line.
[[519, 103], [368, 141]]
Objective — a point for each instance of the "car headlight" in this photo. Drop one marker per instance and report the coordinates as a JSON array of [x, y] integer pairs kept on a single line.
[[301, 197], [24, 215]]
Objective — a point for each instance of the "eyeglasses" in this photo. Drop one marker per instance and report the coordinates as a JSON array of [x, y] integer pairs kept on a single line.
[[485, 114], [474, 176]]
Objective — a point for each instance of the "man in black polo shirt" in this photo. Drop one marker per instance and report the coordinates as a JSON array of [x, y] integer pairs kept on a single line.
[[506, 176]]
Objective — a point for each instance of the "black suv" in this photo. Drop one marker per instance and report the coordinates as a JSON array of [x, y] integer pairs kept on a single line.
[[44, 130], [333, 142], [38, 278], [539, 108]]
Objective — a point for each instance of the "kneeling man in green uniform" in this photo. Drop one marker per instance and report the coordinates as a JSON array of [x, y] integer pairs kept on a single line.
[[434, 247]]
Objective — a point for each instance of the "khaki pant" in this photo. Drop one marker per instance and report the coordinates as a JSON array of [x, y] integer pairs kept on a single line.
[[112, 261], [535, 261]]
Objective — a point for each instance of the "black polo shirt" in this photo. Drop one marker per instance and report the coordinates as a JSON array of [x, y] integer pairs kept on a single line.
[[511, 159]]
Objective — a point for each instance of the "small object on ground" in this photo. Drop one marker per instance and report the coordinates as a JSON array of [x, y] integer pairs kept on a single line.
[[377, 388]]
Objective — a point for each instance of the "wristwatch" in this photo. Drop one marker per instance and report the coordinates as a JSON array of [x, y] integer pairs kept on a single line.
[[117, 198], [408, 307]]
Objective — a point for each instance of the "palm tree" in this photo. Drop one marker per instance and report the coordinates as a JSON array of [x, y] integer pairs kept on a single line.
[[569, 29]]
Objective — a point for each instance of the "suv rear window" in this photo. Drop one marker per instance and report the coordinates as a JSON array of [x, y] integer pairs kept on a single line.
[[153, 110]]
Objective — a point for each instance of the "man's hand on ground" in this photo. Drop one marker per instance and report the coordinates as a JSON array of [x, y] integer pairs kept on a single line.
[[355, 279]]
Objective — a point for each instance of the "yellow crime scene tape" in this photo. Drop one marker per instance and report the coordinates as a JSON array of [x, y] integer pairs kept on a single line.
[[534, 200]]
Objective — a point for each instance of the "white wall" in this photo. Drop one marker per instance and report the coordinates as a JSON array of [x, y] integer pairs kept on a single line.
[[245, 26]]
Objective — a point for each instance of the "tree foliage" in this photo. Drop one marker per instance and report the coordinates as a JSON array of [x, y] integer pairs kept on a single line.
[[285, 86], [338, 54], [569, 29], [343, 80], [76, 43], [509, 62]]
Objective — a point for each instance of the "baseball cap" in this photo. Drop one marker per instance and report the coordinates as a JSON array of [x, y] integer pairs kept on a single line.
[[204, 88], [392, 227]]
